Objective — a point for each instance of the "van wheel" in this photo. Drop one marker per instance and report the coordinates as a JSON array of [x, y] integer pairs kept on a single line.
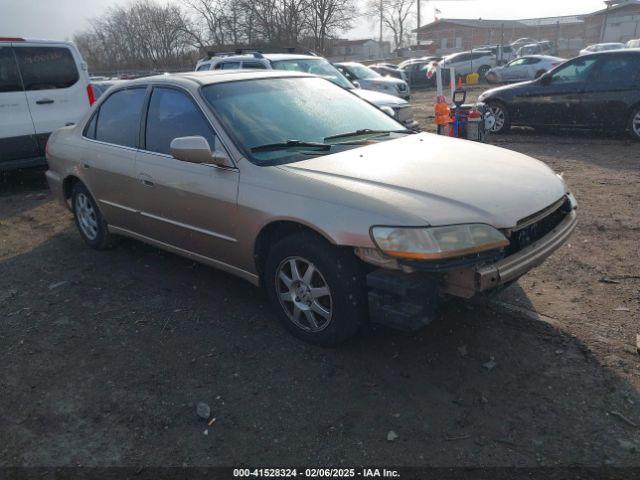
[[318, 290], [91, 225], [634, 123], [482, 71], [501, 114]]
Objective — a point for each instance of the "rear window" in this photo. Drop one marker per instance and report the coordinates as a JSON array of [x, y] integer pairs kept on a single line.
[[118, 120], [46, 68], [9, 78]]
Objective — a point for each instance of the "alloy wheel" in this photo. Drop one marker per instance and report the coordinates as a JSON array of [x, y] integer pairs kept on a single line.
[[635, 124], [304, 294], [499, 115], [87, 218]]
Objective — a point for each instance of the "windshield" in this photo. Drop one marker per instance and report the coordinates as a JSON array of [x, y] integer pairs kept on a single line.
[[360, 71], [271, 111], [315, 66]]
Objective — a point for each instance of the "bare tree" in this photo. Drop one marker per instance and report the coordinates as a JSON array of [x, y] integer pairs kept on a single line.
[[397, 16], [327, 19]]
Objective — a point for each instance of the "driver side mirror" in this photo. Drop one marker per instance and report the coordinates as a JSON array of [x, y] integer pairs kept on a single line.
[[356, 83], [196, 150], [546, 78]]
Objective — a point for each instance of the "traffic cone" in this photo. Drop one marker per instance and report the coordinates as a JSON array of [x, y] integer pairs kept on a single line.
[[459, 83]]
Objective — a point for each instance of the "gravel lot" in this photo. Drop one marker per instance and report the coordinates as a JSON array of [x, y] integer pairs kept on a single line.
[[105, 354]]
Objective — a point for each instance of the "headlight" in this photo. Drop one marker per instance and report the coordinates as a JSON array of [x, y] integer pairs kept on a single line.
[[435, 243]]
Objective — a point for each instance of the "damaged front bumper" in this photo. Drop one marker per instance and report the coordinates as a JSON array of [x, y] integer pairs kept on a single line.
[[408, 299]]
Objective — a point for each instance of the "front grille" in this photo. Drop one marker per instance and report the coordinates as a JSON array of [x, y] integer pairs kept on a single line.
[[532, 232]]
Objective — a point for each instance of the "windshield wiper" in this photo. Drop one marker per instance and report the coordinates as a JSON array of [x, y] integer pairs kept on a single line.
[[291, 144], [366, 131]]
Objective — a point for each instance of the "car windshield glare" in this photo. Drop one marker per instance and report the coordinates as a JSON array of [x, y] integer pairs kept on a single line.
[[314, 66], [272, 111]]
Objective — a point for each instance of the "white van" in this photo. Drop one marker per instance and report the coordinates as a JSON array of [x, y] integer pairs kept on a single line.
[[44, 85]]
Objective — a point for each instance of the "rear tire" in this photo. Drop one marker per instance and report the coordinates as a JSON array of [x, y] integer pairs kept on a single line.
[[91, 225], [501, 114], [634, 123], [317, 289]]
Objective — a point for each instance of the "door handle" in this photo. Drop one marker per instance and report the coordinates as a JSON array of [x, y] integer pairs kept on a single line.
[[44, 101], [146, 180]]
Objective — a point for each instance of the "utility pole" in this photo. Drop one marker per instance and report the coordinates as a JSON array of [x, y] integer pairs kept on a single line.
[[418, 24], [381, 12]]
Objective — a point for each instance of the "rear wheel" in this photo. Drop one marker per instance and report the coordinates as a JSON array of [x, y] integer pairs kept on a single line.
[[482, 71], [91, 225], [318, 290], [634, 123], [503, 122]]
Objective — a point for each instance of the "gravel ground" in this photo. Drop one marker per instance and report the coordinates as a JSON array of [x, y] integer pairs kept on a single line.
[[105, 355]]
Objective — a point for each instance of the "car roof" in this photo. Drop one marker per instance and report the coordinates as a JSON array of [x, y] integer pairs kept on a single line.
[[216, 76], [262, 56], [18, 41], [348, 64]]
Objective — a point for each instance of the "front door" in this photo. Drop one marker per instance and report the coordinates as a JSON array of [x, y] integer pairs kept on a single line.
[[17, 140], [558, 100], [186, 205]]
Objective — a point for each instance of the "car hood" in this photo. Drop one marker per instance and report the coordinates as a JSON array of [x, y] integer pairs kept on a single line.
[[379, 99], [426, 179]]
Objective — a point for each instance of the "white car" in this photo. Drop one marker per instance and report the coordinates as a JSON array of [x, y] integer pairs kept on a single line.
[[523, 69], [396, 106], [369, 79], [464, 63], [44, 85], [602, 47]]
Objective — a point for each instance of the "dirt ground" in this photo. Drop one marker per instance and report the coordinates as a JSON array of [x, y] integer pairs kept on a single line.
[[105, 354]]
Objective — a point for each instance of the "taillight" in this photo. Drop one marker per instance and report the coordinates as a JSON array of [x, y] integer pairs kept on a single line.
[[11, 39], [91, 95]]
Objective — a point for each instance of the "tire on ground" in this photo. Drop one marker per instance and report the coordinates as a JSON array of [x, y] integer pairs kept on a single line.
[[344, 275], [103, 239]]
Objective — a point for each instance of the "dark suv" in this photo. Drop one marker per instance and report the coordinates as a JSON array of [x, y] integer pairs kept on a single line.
[[600, 91]]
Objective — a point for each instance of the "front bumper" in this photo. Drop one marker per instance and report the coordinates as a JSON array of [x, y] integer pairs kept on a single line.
[[466, 282]]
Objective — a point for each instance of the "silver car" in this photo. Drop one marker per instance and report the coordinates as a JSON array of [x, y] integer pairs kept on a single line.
[[297, 185], [368, 79], [523, 69]]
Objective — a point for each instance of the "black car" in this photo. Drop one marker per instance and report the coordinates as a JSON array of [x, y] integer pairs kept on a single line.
[[600, 91], [415, 70]]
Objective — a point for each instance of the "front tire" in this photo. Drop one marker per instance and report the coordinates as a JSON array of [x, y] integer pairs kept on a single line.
[[501, 114], [89, 220], [634, 123], [317, 289]]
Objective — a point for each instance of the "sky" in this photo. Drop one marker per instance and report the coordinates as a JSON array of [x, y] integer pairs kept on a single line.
[[60, 19]]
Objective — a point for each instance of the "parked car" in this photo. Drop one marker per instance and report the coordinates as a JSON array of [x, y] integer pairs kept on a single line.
[[538, 48], [599, 90], [508, 52], [416, 70], [388, 70], [479, 62], [523, 68], [521, 42], [44, 85], [368, 79], [290, 182], [602, 47], [633, 43], [306, 63]]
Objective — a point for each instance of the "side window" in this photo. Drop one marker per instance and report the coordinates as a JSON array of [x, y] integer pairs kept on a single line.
[[619, 69], [228, 66], [577, 70], [173, 114], [206, 66], [9, 77], [90, 129], [118, 120], [253, 65], [46, 68]]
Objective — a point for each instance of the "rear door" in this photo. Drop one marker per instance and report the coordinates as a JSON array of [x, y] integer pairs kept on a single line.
[[112, 138], [186, 205], [17, 141], [55, 84]]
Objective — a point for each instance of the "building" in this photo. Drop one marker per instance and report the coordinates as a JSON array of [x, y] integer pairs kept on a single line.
[[618, 22], [365, 49]]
